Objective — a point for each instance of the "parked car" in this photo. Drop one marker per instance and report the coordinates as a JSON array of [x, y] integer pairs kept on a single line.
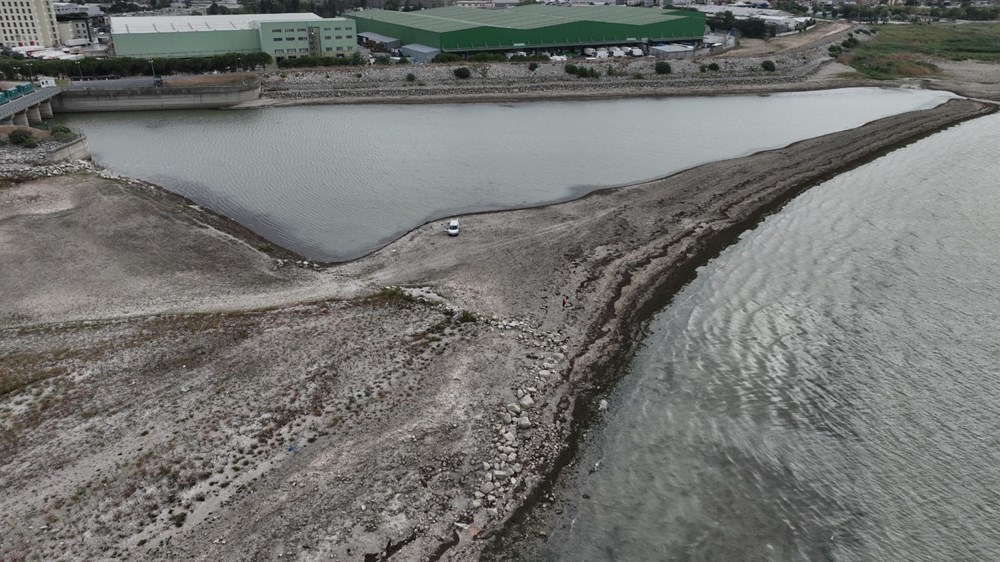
[[453, 227]]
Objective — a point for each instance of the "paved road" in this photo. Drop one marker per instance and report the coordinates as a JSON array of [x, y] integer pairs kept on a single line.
[[117, 84]]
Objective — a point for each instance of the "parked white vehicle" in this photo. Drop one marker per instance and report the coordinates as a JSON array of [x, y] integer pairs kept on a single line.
[[558, 58], [637, 52], [453, 227], [589, 52]]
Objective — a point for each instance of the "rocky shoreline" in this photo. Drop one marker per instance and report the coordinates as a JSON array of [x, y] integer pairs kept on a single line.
[[415, 404]]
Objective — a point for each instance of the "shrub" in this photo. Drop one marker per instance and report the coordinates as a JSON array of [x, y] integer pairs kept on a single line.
[[703, 68], [714, 67], [487, 57], [62, 133], [462, 72], [467, 316], [382, 60], [403, 60], [446, 57], [570, 68], [768, 65], [22, 137], [638, 76], [533, 66], [411, 77], [662, 67]]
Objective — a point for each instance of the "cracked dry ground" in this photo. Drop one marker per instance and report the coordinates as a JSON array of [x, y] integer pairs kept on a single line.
[[325, 430]]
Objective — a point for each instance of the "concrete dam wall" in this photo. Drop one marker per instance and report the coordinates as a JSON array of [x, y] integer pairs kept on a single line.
[[151, 98]]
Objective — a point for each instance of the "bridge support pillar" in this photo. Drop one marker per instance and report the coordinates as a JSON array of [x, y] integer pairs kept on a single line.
[[20, 119], [45, 108], [34, 116], [9, 120]]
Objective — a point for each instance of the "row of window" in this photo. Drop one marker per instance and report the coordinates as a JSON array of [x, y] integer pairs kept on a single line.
[[300, 30], [292, 51], [326, 37]]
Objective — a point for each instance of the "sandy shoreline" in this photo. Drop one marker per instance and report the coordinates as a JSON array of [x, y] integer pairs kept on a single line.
[[179, 396]]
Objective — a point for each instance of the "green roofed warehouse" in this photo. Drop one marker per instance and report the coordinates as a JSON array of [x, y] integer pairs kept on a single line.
[[532, 27]]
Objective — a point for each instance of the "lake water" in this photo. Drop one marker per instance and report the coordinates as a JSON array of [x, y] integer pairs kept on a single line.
[[335, 182], [826, 389]]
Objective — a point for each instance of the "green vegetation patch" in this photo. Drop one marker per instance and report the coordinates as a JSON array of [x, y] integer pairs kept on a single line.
[[896, 50]]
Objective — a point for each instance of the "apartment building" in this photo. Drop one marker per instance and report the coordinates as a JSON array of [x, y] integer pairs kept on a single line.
[[28, 23]]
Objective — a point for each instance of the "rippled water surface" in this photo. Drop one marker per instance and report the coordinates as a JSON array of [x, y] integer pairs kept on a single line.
[[334, 182], [827, 389]]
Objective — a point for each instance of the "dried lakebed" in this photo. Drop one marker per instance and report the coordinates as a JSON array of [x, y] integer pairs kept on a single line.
[[169, 394]]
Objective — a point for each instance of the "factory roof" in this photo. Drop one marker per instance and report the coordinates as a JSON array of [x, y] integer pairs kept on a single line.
[[441, 20], [176, 24]]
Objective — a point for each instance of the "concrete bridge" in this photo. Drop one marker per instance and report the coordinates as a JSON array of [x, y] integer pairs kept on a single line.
[[29, 109]]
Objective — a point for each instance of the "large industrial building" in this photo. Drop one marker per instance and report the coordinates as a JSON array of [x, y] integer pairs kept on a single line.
[[529, 28], [280, 35], [27, 23]]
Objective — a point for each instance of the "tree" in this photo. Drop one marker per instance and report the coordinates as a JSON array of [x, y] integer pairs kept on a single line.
[[768, 65], [662, 67], [462, 72]]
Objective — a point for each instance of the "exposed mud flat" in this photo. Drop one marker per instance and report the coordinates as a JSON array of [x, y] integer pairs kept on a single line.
[[203, 402]]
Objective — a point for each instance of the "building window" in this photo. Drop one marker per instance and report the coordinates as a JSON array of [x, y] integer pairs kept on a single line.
[[301, 29], [340, 37], [340, 48], [326, 29], [350, 37], [279, 51], [302, 38], [303, 50], [336, 29], [277, 38], [275, 31], [327, 37], [329, 49]]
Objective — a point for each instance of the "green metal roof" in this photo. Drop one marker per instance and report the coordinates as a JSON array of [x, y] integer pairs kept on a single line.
[[441, 20]]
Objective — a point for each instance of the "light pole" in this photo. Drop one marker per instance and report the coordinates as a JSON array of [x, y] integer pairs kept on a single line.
[[31, 73], [152, 68], [79, 70], [17, 72]]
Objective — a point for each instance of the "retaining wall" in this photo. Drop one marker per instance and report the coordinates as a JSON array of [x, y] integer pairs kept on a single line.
[[76, 149]]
